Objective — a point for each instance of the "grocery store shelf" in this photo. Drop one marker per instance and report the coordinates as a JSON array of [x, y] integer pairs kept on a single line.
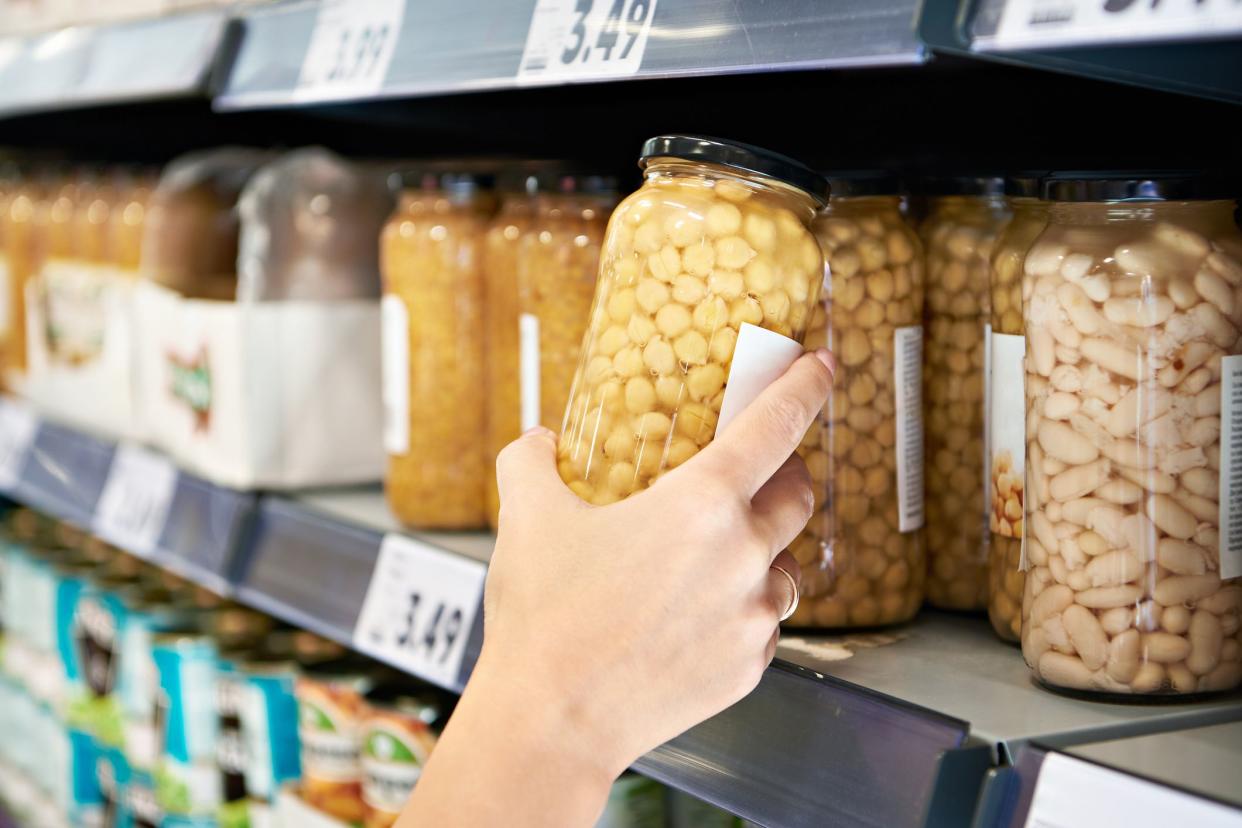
[[64, 474], [136, 60], [1207, 66], [475, 45], [1203, 762], [895, 728]]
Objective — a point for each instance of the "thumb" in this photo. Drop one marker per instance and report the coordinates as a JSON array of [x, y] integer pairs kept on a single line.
[[526, 473]]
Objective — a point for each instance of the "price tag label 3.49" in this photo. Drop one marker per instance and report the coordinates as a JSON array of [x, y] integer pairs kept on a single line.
[[585, 39], [420, 608], [134, 504], [350, 48]]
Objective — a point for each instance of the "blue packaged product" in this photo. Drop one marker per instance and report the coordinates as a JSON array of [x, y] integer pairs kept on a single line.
[[187, 779]]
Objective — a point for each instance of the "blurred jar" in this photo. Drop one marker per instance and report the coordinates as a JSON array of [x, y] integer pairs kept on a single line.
[[434, 385], [862, 554], [500, 252], [128, 220], [1005, 491], [717, 237], [25, 225], [966, 214]]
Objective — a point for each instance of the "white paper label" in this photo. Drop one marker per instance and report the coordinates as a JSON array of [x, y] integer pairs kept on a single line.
[[1231, 467], [987, 424], [1007, 468], [759, 357], [908, 390], [1026, 23], [528, 370], [350, 48], [395, 332], [419, 608], [133, 506], [18, 425], [579, 39], [1071, 793]]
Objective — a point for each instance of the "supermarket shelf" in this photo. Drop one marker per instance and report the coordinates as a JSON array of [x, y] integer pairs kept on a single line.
[[892, 729], [1210, 68], [64, 474], [136, 60], [475, 45], [1205, 762]]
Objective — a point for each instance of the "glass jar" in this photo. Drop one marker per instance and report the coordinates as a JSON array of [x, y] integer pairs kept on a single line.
[[1005, 577], [1132, 307], [431, 265], [716, 237], [862, 553], [557, 262], [959, 232], [25, 222], [128, 222], [500, 250]]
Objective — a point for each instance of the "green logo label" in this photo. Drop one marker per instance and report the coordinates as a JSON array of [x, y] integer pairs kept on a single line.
[[191, 384]]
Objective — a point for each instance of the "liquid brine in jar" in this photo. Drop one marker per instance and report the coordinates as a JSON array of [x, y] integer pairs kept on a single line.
[[1005, 484], [433, 376], [1133, 306], [500, 250], [966, 214], [716, 238], [862, 554]]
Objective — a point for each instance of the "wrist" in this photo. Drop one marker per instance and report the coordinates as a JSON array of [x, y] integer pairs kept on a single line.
[[548, 720]]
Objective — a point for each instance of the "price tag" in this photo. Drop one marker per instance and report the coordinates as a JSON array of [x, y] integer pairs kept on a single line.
[[133, 507], [350, 48], [18, 425], [419, 609], [585, 39], [1032, 23], [1071, 793]]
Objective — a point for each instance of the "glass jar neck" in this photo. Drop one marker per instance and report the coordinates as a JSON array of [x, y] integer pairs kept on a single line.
[[968, 205], [660, 170], [433, 201], [1202, 213]]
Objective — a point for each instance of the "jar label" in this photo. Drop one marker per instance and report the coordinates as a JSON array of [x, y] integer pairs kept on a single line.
[[528, 370], [1231, 467], [908, 390], [1007, 434], [759, 357], [395, 335]]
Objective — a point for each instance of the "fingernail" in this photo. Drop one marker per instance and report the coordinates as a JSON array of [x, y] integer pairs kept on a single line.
[[538, 430], [825, 356]]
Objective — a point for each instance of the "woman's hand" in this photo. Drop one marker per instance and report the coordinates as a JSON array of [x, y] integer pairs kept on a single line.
[[609, 630]]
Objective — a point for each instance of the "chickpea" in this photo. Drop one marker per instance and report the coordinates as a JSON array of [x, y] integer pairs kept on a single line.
[[958, 236], [1128, 592], [859, 568], [712, 257]]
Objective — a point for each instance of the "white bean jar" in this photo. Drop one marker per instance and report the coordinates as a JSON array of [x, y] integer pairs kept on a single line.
[[1132, 307]]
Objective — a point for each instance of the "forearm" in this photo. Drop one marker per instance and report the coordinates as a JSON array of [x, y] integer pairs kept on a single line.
[[508, 757]]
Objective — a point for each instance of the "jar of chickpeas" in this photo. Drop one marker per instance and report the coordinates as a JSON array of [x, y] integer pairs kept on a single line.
[[557, 263], [965, 216], [1133, 308], [862, 552], [500, 250], [716, 238], [23, 220], [1004, 487], [433, 380]]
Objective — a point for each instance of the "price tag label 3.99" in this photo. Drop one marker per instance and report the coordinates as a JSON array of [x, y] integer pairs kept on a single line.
[[585, 39], [420, 608], [134, 504], [350, 48]]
